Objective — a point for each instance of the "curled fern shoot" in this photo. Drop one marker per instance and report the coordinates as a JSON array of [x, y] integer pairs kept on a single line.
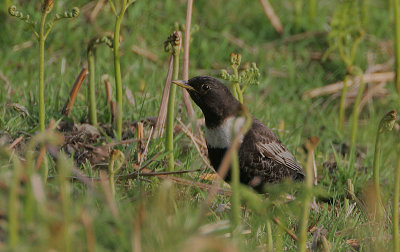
[[117, 158], [108, 40]]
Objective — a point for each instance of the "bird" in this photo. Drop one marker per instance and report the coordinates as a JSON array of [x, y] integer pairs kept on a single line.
[[263, 159]]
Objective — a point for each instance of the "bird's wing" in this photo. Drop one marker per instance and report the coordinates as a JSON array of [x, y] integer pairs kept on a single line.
[[275, 150]]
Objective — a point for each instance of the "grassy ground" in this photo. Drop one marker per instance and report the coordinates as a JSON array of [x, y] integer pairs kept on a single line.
[[157, 215]]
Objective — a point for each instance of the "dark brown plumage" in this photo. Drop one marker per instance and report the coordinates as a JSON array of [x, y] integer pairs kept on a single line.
[[262, 157]]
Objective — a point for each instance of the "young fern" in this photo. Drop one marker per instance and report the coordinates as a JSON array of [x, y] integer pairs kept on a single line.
[[345, 36], [117, 65], [386, 124], [172, 45], [63, 165], [240, 80], [117, 158], [395, 215], [396, 6], [235, 183], [41, 36], [13, 200], [308, 185], [92, 77]]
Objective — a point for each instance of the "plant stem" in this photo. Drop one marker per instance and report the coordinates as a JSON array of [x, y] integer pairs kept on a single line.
[[185, 70], [395, 218], [62, 166], [13, 200], [45, 169], [117, 68], [170, 114], [279, 240], [235, 198], [41, 73], [342, 101], [116, 160], [92, 94], [298, 7], [377, 153], [354, 127], [397, 42], [307, 196], [112, 7], [237, 91], [270, 241], [111, 174], [312, 9]]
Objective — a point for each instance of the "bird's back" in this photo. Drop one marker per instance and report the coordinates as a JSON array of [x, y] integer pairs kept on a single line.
[[264, 159]]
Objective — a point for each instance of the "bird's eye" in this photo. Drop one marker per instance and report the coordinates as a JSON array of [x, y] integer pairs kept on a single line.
[[205, 87]]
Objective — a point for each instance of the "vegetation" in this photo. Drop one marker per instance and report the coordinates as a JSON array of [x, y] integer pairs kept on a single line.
[[72, 186], [92, 74], [242, 80], [41, 37], [172, 45]]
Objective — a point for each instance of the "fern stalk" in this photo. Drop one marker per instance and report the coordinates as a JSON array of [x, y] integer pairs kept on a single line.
[[117, 65], [235, 199], [386, 124], [354, 125], [13, 224], [176, 39], [395, 219], [308, 184], [117, 69], [63, 167], [396, 7], [342, 101], [92, 94], [41, 72]]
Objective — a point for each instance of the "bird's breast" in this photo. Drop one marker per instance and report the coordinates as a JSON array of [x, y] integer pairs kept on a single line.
[[221, 136]]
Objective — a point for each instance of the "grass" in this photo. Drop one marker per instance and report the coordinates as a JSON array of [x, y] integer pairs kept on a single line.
[[153, 214]]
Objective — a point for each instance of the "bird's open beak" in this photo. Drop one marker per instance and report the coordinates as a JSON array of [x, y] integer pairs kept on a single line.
[[183, 84]]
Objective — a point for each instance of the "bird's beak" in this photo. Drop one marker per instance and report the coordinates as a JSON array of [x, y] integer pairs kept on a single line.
[[183, 84]]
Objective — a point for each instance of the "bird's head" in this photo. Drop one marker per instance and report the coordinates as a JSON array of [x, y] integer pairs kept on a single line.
[[212, 96]]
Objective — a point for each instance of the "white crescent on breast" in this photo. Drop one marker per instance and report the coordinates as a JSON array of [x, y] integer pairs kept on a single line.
[[222, 136]]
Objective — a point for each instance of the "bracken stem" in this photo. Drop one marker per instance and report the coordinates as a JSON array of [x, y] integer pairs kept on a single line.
[[342, 101], [13, 225], [62, 166], [170, 114], [313, 7], [235, 198], [354, 127], [397, 42], [92, 87], [41, 73], [118, 79], [376, 174], [117, 64], [386, 124], [235, 183], [395, 218], [311, 144], [270, 241]]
